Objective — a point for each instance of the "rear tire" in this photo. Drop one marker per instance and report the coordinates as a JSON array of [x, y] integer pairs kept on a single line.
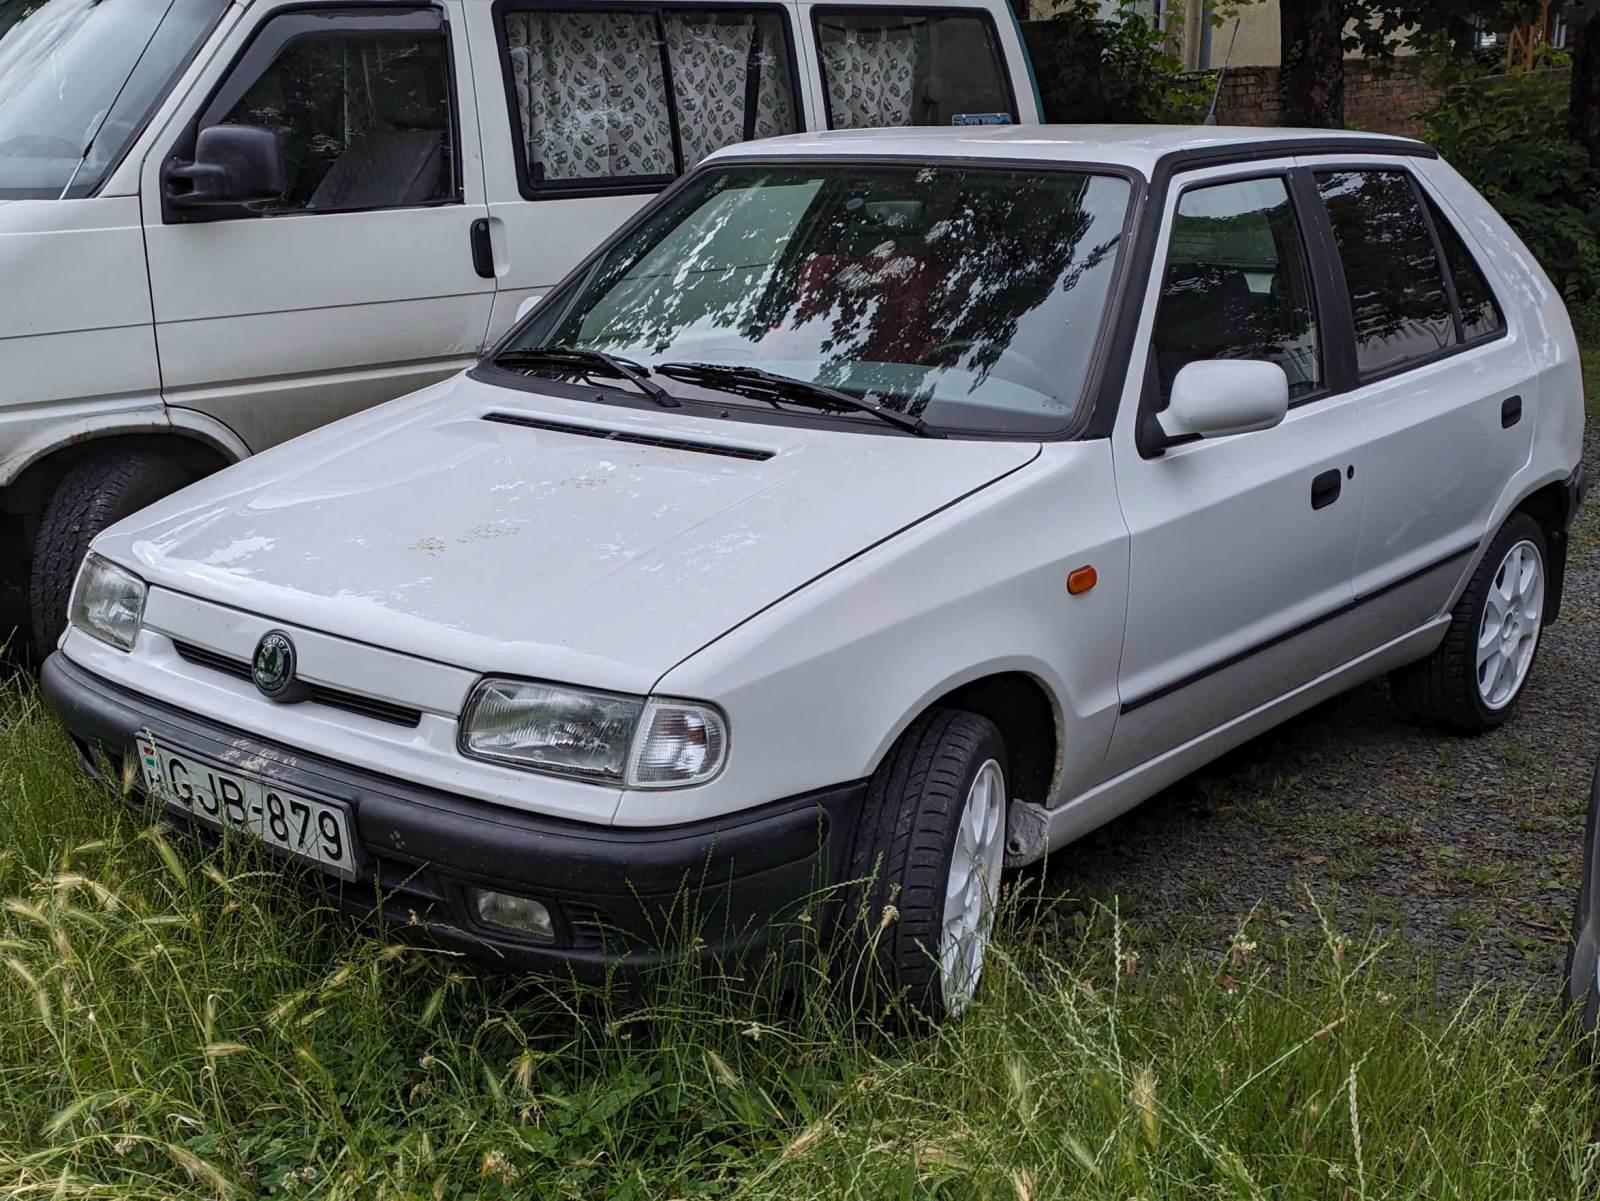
[[1473, 681], [926, 862], [97, 492]]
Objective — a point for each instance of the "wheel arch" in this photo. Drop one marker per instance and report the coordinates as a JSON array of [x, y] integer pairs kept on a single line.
[[1027, 715], [1550, 506], [197, 441]]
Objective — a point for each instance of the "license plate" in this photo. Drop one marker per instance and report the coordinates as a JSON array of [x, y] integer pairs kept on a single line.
[[301, 826]]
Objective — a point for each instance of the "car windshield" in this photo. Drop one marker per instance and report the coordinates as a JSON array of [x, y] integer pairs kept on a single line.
[[78, 79], [971, 297]]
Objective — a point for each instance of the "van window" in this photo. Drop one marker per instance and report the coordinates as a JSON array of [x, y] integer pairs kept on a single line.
[[1238, 285], [1397, 289], [1481, 316], [631, 97], [887, 66], [363, 118]]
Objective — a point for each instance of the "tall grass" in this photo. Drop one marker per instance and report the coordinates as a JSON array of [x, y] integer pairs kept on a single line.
[[183, 1023]]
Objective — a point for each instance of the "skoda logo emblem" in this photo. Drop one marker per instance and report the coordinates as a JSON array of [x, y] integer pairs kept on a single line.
[[272, 669]]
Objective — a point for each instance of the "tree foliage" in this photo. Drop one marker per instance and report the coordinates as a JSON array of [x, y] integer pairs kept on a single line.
[[1375, 27], [1114, 69], [1318, 34], [1507, 133]]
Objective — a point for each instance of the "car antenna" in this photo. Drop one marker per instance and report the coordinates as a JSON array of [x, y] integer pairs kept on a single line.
[[1211, 113]]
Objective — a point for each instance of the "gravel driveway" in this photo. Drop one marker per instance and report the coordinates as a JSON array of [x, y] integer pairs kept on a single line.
[[1465, 848]]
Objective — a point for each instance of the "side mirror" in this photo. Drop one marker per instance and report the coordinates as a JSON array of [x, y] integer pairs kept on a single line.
[[233, 164], [529, 303], [1218, 397]]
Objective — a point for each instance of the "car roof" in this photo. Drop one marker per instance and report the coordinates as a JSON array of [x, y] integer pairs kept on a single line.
[[1142, 147]]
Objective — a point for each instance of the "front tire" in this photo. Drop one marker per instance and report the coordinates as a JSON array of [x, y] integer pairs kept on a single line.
[[95, 493], [926, 861], [1473, 681]]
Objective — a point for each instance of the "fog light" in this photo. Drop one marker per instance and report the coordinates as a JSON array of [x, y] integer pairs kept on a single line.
[[505, 911]]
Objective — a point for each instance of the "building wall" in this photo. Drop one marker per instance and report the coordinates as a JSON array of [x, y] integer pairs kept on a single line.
[[1253, 33]]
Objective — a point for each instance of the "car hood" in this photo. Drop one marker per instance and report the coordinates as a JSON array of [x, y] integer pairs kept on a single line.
[[579, 541]]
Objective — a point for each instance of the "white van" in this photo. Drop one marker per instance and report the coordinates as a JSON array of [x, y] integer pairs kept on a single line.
[[224, 224]]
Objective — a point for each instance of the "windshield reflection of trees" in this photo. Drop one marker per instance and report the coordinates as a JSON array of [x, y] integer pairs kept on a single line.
[[921, 269]]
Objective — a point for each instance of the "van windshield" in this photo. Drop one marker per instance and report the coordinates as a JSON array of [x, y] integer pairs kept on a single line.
[[969, 297], [78, 80]]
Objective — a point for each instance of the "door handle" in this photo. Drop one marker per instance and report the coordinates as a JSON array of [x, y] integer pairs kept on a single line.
[[482, 249], [1510, 412], [1326, 487]]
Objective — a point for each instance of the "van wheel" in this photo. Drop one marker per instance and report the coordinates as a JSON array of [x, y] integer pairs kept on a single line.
[[926, 860], [95, 493], [1472, 682]]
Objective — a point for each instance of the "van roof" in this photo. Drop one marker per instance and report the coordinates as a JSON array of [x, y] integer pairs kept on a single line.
[[1142, 147]]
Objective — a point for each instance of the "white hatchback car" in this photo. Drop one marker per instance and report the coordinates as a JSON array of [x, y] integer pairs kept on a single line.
[[872, 510]]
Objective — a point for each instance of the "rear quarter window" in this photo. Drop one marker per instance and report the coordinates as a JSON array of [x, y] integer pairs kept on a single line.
[[1481, 315]]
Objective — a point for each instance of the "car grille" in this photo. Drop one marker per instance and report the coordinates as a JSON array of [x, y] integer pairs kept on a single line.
[[334, 698]]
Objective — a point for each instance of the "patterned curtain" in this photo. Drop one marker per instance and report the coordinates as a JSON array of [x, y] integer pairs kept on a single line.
[[710, 65], [592, 95], [712, 56], [775, 89], [871, 76]]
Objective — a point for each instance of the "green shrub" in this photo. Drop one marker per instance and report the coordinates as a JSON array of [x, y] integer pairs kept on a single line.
[[1112, 69], [1508, 135]]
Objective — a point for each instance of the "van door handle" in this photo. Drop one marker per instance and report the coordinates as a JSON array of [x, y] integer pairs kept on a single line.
[[482, 249], [1510, 412], [1326, 487]]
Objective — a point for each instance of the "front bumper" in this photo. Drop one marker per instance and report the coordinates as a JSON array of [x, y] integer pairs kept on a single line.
[[618, 896]]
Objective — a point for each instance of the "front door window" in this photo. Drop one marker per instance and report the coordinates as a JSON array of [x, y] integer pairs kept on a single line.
[[1238, 285]]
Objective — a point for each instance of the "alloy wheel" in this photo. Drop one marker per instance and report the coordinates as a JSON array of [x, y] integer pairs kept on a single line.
[[1513, 615], [973, 886]]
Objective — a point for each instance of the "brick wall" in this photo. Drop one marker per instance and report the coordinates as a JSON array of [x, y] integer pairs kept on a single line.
[[1383, 102]]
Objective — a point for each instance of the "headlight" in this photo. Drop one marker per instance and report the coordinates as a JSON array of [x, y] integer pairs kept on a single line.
[[600, 736], [108, 602]]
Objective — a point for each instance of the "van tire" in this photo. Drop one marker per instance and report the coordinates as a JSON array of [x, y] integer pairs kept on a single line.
[[1442, 690], [900, 860], [95, 493]]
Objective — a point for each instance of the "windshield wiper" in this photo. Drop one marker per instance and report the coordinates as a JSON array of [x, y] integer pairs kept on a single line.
[[768, 385], [589, 361]]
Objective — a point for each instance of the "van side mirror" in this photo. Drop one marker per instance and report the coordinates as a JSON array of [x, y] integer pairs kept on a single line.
[[529, 303], [233, 164], [1219, 397]]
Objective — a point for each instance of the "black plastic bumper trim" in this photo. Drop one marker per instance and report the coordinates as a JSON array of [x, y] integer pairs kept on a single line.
[[421, 847]]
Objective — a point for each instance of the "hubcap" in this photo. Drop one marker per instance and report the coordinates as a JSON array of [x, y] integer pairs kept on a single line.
[[973, 886], [1512, 619]]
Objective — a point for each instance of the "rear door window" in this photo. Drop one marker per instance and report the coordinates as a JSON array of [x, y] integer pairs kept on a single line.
[[1398, 294], [629, 97], [891, 67]]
